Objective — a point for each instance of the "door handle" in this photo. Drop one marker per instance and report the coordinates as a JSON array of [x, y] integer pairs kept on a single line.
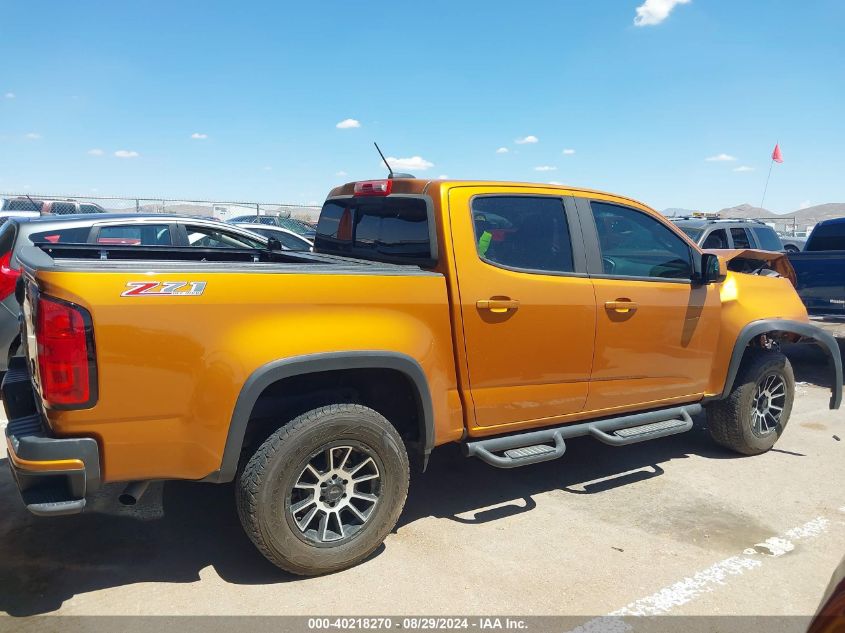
[[621, 305], [497, 305]]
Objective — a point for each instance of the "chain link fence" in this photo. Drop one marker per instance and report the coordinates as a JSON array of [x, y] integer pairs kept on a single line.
[[221, 210]]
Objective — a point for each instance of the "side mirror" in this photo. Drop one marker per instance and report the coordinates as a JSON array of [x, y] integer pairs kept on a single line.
[[710, 269], [274, 244]]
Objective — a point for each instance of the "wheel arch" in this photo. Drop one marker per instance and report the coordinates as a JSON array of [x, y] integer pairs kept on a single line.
[[823, 339], [269, 374]]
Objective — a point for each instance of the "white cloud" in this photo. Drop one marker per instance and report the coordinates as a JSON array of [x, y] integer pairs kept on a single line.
[[126, 153], [414, 163], [347, 124], [32, 135], [720, 158], [502, 150], [806, 204], [443, 177], [652, 12], [568, 152], [545, 168], [743, 168], [199, 136], [527, 140], [555, 182], [95, 152], [341, 173], [9, 95]]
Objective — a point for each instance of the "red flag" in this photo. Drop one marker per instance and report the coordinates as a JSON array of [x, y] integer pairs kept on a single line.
[[776, 155]]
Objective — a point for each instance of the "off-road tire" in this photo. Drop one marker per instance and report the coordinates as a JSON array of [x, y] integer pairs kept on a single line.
[[264, 482], [730, 421]]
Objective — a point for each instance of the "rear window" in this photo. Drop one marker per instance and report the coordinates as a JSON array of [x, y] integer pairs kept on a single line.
[[23, 204], [769, 240], [827, 237], [90, 208], [390, 229]]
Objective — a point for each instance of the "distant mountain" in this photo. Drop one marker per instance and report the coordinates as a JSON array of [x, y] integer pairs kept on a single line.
[[820, 212], [747, 211], [803, 217]]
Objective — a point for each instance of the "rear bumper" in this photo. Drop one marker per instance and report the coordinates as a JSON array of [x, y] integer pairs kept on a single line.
[[53, 475]]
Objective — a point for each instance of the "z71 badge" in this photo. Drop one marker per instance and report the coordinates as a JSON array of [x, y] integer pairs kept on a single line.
[[164, 289]]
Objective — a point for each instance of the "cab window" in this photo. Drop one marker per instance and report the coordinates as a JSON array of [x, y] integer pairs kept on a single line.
[[633, 244], [523, 232]]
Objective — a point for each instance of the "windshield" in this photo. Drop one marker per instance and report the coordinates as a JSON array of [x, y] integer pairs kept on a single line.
[[692, 233]]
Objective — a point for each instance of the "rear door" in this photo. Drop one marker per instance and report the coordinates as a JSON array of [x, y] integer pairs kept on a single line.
[[527, 306]]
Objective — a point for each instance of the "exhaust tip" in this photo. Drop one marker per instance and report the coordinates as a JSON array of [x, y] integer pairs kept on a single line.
[[133, 492], [127, 500]]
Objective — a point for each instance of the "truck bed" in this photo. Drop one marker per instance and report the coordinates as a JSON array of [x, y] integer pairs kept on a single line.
[[187, 354]]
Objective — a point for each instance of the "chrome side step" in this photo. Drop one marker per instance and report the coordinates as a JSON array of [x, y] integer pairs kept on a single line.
[[522, 449]]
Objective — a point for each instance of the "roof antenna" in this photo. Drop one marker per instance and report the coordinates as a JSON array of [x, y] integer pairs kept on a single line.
[[390, 173], [389, 170]]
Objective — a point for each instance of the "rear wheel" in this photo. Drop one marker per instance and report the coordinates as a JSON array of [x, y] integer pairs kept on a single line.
[[323, 491], [752, 418]]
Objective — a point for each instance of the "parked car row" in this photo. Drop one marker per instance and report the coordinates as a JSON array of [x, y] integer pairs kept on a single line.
[[28, 207]]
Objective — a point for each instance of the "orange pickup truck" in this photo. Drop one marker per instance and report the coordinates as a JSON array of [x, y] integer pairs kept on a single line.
[[506, 317]]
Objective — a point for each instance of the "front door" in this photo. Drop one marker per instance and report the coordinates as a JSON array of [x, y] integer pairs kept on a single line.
[[656, 331], [527, 305]]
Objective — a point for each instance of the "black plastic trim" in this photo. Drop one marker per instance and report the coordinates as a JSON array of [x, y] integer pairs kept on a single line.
[[272, 372], [54, 492], [823, 339]]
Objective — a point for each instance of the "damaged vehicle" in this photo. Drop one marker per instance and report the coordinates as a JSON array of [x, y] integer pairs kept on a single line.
[[505, 317]]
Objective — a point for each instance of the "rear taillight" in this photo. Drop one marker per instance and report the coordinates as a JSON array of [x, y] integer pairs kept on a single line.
[[66, 362], [373, 188], [8, 276]]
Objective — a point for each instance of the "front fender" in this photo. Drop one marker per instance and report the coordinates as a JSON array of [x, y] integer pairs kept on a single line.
[[806, 330]]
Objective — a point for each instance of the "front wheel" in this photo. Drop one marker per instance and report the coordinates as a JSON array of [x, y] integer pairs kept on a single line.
[[752, 418], [323, 491]]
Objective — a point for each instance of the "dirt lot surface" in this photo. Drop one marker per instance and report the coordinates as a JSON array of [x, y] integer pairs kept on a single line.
[[674, 526]]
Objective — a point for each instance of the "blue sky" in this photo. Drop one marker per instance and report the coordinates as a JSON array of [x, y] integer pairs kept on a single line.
[[265, 85]]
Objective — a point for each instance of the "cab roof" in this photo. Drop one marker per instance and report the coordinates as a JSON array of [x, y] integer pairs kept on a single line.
[[425, 186]]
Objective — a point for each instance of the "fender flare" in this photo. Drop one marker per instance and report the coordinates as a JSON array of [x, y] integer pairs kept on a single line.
[[277, 370], [823, 339]]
